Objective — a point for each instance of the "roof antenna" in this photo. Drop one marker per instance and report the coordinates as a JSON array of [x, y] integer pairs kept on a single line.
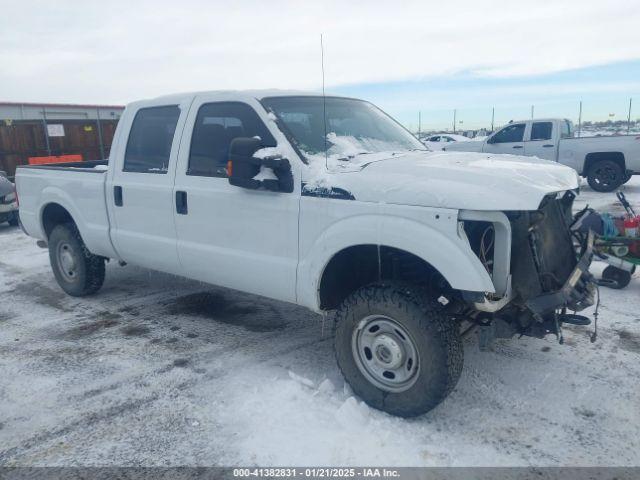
[[324, 106]]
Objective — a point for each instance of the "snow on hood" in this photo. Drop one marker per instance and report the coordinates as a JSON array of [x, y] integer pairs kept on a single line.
[[458, 180]]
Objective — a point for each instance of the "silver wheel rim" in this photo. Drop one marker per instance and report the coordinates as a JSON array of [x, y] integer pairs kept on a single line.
[[67, 262], [385, 353]]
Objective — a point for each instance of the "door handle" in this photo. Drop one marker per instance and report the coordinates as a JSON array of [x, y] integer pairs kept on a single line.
[[548, 145], [181, 203], [117, 195], [517, 146]]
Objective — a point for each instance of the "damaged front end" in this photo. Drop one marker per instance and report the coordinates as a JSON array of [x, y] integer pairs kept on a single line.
[[547, 273]]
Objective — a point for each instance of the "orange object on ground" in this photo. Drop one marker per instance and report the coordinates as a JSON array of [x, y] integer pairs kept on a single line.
[[54, 159]]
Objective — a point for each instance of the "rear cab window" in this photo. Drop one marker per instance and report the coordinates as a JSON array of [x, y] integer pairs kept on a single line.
[[566, 129], [150, 140]]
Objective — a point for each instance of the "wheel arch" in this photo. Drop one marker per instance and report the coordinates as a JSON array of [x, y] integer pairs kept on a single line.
[[594, 157], [52, 215], [359, 265]]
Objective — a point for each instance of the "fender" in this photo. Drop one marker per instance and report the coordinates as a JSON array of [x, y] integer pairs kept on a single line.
[[94, 231], [435, 239]]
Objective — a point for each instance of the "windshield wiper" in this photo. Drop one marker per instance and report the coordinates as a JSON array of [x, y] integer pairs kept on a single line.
[[351, 157]]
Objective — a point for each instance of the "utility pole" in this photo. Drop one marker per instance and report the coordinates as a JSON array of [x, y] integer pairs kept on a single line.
[[531, 112], [629, 117], [493, 113], [454, 120], [419, 122], [580, 120]]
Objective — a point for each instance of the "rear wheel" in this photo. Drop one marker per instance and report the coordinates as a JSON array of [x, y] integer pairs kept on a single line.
[[14, 220], [399, 352], [77, 270], [605, 176], [615, 277]]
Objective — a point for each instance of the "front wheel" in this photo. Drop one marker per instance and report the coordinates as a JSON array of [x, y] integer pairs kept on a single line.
[[399, 352], [605, 176], [77, 270]]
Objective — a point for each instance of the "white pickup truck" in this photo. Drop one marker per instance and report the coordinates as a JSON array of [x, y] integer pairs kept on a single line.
[[606, 162], [328, 203]]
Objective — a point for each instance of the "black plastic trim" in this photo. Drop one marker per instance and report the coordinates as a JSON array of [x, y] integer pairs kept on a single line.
[[70, 166]]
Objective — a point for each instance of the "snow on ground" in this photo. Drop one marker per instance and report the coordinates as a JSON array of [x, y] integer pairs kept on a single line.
[[158, 370]]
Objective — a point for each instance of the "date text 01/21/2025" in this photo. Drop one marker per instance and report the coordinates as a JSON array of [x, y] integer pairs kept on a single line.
[[316, 472]]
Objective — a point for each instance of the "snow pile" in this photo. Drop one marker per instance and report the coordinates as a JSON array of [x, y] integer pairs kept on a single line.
[[265, 173], [270, 152], [296, 421]]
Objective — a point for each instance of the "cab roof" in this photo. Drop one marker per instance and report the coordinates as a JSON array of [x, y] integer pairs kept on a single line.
[[224, 95]]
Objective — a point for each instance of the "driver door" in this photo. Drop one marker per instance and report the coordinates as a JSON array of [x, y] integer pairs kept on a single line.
[[231, 236], [509, 139]]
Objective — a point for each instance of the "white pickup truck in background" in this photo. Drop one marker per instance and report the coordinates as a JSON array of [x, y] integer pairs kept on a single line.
[[328, 203], [606, 162]]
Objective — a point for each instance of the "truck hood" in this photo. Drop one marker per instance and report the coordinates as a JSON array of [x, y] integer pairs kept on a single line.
[[458, 180]]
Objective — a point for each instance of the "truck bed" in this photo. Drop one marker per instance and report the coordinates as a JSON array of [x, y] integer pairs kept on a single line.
[[78, 188], [575, 152]]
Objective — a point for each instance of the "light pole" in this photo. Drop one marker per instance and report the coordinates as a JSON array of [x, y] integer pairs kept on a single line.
[[580, 120]]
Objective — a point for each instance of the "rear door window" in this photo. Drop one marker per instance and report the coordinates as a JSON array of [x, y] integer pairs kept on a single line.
[[541, 131], [150, 140]]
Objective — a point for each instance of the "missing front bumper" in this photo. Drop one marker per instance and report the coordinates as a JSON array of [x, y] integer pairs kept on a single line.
[[577, 293]]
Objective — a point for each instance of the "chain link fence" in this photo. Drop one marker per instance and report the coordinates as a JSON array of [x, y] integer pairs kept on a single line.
[[589, 118]]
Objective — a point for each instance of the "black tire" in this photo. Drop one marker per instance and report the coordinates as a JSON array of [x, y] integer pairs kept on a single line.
[[436, 339], [77, 271], [605, 176], [616, 277], [14, 219]]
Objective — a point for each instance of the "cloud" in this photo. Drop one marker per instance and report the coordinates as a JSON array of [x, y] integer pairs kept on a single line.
[[123, 50]]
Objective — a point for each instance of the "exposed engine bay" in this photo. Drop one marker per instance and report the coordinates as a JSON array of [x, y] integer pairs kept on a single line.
[[548, 271]]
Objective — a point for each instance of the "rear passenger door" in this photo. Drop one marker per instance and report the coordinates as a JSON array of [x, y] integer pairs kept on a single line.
[[542, 142], [140, 191], [509, 139], [231, 236]]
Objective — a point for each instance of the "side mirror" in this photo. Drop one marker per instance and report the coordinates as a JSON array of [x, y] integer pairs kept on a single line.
[[244, 169]]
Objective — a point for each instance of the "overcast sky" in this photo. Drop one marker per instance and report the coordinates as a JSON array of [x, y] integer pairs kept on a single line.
[[118, 51]]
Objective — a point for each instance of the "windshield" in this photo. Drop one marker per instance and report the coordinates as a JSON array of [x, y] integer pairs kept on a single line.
[[354, 129]]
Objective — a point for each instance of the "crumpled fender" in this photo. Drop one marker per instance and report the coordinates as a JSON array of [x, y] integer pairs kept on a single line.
[[434, 239]]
